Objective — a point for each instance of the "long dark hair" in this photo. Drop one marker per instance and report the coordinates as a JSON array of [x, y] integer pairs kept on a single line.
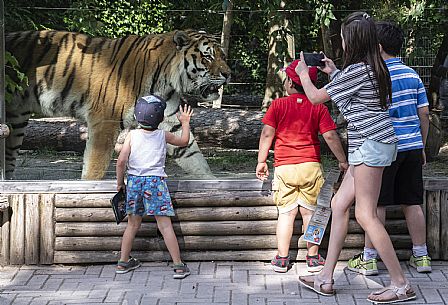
[[361, 45]]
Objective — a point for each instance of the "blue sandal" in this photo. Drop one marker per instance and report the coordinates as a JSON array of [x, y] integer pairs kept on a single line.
[[181, 271], [131, 264]]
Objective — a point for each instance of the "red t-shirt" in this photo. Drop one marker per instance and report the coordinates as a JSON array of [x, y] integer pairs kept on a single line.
[[297, 123]]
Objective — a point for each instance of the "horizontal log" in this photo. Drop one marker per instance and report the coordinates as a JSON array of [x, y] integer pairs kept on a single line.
[[109, 186], [229, 128], [180, 199], [182, 214], [149, 229], [89, 257], [69, 229], [222, 199], [198, 213], [435, 183], [188, 186], [229, 242]]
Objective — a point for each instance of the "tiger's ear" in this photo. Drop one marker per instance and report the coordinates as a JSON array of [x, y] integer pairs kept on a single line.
[[181, 39]]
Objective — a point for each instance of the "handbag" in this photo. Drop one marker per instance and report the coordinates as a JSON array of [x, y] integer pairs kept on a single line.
[[118, 203]]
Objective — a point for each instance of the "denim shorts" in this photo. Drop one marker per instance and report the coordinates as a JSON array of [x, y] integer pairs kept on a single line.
[[373, 153], [148, 195]]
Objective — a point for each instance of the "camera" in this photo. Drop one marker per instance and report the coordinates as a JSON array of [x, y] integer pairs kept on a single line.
[[314, 59]]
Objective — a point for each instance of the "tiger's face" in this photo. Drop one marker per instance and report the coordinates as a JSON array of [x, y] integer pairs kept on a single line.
[[204, 66]]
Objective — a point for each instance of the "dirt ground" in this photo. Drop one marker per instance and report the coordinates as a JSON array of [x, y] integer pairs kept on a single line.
[[224, 163]]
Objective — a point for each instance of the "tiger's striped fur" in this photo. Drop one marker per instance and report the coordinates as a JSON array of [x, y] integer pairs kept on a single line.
[[98, 80]]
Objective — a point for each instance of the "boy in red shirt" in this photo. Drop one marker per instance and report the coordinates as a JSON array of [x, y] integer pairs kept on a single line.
[[295, 123]]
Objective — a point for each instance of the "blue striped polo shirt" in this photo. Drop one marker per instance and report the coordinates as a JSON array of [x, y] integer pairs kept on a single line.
[[408, 94]]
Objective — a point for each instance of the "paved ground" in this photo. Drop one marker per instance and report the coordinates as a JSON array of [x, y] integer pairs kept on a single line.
[[235, 283]]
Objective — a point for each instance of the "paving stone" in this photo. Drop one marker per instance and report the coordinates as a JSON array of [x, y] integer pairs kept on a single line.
[[211, 283], [221, 295], [7, 299], [22, 300], [238, 298], [207, 268]]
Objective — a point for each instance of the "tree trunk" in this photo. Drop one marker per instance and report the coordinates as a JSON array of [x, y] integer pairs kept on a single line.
[[227, 128], [225, 41], [274, 88], [434, 83], [60, 134]]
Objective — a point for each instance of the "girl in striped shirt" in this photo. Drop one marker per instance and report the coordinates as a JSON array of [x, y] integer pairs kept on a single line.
[[362, 92]]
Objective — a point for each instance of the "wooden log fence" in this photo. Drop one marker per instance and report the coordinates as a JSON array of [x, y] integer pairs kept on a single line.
[[68, 222]]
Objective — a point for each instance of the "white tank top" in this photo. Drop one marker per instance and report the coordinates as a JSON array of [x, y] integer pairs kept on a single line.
[[148, 153]]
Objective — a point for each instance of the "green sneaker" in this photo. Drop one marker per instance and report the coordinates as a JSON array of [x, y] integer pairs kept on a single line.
[[421, 263], [357, 264]]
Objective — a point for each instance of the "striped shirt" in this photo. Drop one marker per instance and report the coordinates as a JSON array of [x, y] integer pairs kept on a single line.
[[355, 93], [408, 95]]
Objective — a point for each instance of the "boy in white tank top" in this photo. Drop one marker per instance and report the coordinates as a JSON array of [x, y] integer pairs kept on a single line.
[[144, 152]]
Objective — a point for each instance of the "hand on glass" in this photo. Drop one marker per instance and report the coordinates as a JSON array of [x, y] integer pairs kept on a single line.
[[184, 114]]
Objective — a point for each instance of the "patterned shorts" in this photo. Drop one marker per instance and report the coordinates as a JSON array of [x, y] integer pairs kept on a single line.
[[148, 195]]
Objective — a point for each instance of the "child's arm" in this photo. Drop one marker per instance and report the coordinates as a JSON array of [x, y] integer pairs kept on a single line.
[[423, 115], [315, 96], [333, 141], [266, 138], [184, 118], [121, 162]]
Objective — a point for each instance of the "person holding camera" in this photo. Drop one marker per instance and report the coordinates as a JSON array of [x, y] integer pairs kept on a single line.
[[362, 91], [402, 181]]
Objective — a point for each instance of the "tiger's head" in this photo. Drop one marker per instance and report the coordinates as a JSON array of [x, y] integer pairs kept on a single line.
[[202, 65]]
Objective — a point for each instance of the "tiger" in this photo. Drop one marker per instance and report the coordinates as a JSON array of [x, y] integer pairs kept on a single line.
[[98, 80]]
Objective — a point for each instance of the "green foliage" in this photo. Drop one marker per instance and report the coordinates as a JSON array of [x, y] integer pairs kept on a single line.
[[17, 82], [30, 15], [424, 22], [252, 20], [117, 18], [324, 13]]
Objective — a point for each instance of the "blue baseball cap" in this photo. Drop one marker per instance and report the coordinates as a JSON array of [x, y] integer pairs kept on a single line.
[[149, 111]]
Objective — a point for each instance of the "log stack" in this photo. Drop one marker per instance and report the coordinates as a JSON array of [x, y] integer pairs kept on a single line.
[[72, 222]]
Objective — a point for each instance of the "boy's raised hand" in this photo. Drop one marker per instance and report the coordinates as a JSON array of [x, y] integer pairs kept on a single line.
[[184, 114]]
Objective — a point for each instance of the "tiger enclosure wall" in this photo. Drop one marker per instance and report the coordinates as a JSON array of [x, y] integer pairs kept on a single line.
[[68, 222]]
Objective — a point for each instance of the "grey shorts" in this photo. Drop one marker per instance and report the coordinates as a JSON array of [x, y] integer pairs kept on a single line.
[[373, 153]]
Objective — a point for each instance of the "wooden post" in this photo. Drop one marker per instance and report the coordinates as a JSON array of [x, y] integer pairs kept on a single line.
[[5, 238], [2, 91], [17, 242], [444, 225], [433, 223], [47, 233], [32, 229]]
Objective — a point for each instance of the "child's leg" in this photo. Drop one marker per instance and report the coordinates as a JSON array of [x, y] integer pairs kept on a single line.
[[132, 227], [367, 188], [340, 205], [415, 219], [306, 217], [166, 228], [285, 227]]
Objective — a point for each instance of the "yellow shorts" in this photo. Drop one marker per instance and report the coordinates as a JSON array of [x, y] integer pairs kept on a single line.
[[297, 184]]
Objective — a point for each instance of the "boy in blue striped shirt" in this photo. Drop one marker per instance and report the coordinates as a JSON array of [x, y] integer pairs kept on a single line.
[[402, 182]]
